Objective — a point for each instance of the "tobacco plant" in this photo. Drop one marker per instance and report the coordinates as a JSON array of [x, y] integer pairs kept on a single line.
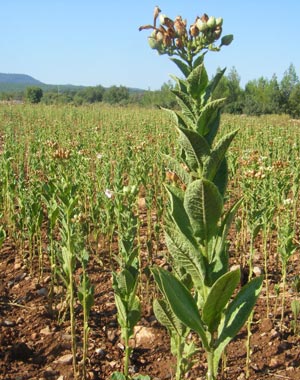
[[201, 290], [125, 279]]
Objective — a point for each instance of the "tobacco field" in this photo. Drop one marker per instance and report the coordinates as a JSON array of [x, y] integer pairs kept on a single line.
[[82, 190]]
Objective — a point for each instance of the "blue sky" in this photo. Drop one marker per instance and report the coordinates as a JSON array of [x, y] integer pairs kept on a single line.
[[92, 42]]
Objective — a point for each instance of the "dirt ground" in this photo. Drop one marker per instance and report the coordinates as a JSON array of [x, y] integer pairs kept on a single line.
[[36, 345]]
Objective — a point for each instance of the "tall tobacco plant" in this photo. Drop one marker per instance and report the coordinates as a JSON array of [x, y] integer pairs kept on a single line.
[[200, 292]]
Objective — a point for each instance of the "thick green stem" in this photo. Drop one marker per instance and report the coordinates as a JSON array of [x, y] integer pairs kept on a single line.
[[72, 322], [266, 234], [127, 353], [210, 366]]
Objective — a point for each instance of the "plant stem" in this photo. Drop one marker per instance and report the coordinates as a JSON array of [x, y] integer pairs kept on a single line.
[[72, 321], [127, 353], [210, 363]]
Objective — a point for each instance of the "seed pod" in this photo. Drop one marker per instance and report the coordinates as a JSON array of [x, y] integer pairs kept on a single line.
[[180, 26], [204, 17], [194, 31], [217, 33], [167, 41], [179, 43]]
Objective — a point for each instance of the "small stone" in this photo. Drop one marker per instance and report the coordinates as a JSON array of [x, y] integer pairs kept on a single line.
[[274, 363], [100, 352], [112, 363], [45, 331], [144, 336], [34, 336], [274, 334], [42, 292], [235, 267], [9, 323], [241, 376], [67, 337], [21, 277], [257, 271], [65, 359], [17, 266], [111, 335], [47, 279]]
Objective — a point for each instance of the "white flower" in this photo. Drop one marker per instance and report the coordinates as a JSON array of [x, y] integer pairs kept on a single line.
[[99, 156], [108, 193], [287, 201]]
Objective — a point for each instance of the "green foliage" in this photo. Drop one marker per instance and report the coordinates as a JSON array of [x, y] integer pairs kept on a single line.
[[200, 291], [33, 94], [116, 94]]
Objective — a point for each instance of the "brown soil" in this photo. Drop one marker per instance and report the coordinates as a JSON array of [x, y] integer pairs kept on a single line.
[[37, 345]]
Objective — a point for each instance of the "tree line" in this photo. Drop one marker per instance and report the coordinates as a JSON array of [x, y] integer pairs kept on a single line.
[[258, 97]]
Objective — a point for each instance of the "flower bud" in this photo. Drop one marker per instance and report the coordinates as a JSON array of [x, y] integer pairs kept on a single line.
[[194, 31], [217, 33], [226, 40], [167, 41], [179, 43], [211, 22], [201, 25], [162, 18], [156, 13], [180, 26], [204, 17], [153, 43], [219, 21]]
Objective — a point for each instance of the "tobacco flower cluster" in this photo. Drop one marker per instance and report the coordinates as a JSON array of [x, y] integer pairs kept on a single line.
[[173, 37]]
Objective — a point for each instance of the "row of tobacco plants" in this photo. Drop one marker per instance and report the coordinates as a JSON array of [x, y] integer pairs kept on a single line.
[[75, 180]]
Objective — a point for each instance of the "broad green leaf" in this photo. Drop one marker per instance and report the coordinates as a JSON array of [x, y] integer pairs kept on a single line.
[[217, 247], [221, 177], [217, 156], [124, 283], [174, 166], [218, 298], [179, 119], [134, 314], [167, 318], [122, 313], [186, 104], [195, 147], [207, 116], [203, 204], [141, 377], [236, 314], [181, 84], [185, 69], [181, 301], [186, 255], [197, 81], [199, 60], [177, 211], [213, 126]]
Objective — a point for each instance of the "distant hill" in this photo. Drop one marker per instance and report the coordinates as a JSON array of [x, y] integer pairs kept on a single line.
[[19, 82], [19, 79]]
